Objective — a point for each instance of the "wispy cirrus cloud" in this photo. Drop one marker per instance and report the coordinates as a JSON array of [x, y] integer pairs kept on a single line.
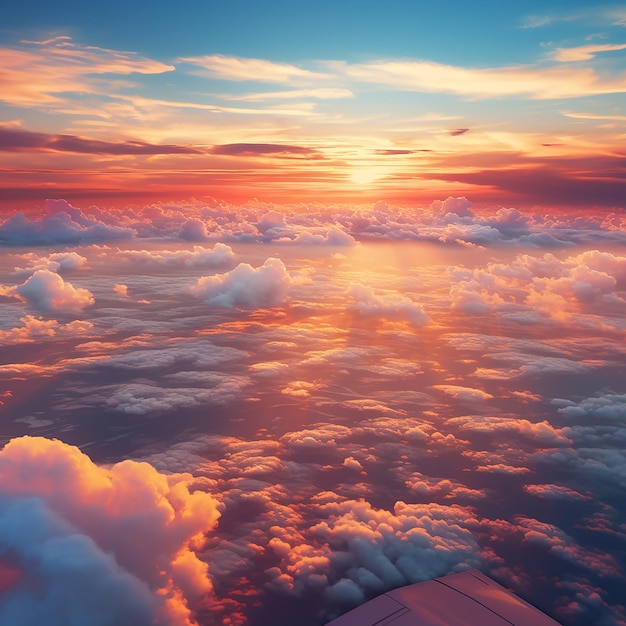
[[534, 82], [585, 53], [257, 70], [322, 93], [153, 105], [14, 139], [601, 15], [618, 16], [41, 71], [594, 116]]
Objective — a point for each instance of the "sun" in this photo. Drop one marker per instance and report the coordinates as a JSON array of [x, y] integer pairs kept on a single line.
[[364, 176]]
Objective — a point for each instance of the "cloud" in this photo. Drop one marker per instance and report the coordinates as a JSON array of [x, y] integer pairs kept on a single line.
[[514, 81], [561, 545], [390, 306], [605, 406], [18, 140], [584, 53], [446, 222], [219, 256], [193, 230], [594, 116], [557, 186], [41, 72], [49, 293], [427, 487], [58, 262], [544, 289], [464, 394], [246, 287], [351, 463], [265, 149], [61, 223], [98, 545], [35, 329], [394, 152], [299, 389], [256, 70], [121, 290], [457, 132], [351, 407], [321, 93], [199, 353], [617, 15], [555, 492], [542, 433], [144, 399], [377, 549], [321, 236]]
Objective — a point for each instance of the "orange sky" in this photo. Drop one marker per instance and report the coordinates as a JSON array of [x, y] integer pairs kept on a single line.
[[528, 110]]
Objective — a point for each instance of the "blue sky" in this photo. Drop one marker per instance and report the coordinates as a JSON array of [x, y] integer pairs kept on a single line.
[[481, 32]]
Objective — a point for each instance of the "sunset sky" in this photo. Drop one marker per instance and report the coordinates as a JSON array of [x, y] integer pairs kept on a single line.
[[517, 103], [301, 302]]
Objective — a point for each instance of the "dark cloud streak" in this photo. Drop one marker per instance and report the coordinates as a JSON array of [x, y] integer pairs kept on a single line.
[[18, 140]]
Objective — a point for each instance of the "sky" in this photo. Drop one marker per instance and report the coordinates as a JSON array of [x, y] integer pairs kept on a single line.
[[323, 101], [304, 302]]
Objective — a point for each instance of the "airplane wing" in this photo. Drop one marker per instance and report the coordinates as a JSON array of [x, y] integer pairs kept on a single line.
[[466, 599]]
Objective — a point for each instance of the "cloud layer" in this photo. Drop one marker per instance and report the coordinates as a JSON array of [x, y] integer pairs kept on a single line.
[[368, 396]]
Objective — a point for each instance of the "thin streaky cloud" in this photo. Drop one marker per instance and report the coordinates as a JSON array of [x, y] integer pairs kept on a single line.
[[537, 83], [46, 73], [594, 116], [585, 53], [537, 21], [264, 149], [323, 93], [302, 108], [611, 16], [17, 140], [256, 70], [618, 16]]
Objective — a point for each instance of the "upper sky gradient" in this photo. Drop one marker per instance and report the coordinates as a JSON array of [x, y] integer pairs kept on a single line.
[[508, 103]]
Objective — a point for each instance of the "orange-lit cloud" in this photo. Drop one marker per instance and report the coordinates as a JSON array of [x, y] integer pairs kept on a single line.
[[321, 93], [46, 70], [36, 329], [126, 531], [235, 68], [584, 53], [246, 287], [527, 81]]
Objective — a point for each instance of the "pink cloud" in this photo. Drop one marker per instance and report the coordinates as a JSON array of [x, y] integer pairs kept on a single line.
[[36, 329], [49, 293], [542, 433], [554, 492], [42, 71], [246, 287], [464, 394], [391, 306], [60, 223], [122, 535]]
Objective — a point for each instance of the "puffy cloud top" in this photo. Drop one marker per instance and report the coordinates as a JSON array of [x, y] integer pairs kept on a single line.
[[246, 287], [60, 224], [48, 292], [110, 546], [391, 306]]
